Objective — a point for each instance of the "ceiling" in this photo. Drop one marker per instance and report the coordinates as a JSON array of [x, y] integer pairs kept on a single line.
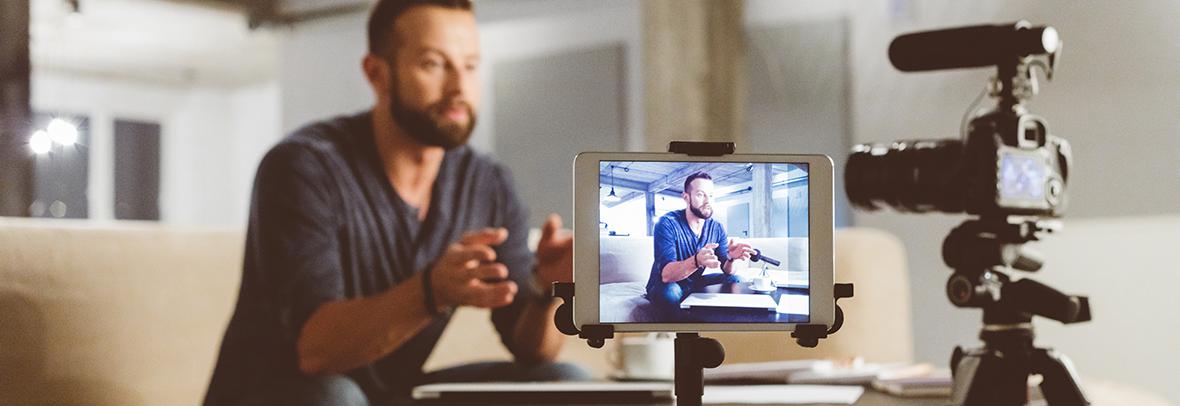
[[631, 179], [220, 42], [180, 42]]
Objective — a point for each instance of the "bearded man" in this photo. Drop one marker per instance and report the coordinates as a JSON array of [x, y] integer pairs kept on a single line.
[[687, 242], [367, 230]]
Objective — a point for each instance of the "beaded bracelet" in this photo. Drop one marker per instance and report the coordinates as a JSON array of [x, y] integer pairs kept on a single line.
[[428, 295]]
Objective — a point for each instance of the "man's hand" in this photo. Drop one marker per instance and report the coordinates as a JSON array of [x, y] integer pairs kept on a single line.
[[467, 274], [535, 340], [707, 257], [555, 254], [738, 250]]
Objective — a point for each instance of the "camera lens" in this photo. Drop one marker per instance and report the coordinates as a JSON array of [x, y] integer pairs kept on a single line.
[[912, 176]]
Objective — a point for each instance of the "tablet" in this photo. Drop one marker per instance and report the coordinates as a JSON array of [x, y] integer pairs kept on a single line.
[[678, 243]]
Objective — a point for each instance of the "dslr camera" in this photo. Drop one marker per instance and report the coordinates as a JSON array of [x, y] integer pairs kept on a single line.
[[1006, 161], [1010, 175]]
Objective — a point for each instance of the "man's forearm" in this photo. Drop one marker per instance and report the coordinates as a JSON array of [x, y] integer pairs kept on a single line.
[[343, 335], [728, 267], [678, 270], [535, 337]]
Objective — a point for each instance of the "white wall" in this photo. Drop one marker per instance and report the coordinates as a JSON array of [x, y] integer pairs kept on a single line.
[[1128, 268], [257, 112], [211, 139], [554, 27], [321, 59], [320, 70]]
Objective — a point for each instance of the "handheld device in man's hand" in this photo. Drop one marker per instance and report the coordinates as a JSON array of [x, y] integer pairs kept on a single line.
[[654, 231]]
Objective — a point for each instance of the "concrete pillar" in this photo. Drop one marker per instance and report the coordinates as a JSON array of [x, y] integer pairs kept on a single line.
[[761, 201], [16, 163], [694, 71]]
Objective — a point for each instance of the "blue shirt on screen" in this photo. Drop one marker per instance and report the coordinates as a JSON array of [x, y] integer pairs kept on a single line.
[[673, 240]]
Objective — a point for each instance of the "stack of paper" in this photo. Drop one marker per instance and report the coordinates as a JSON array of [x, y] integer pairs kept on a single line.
[[740, 300], [793, 304], [782, 394], [936, 383], [855, 372], [785, 279], [817, 372], [773, 371]]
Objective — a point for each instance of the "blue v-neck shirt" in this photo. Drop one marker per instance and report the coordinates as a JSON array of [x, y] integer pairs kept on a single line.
[[326, 225], [673, 240]]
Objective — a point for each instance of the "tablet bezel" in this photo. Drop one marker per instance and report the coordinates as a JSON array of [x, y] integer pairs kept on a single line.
[[821, 225]]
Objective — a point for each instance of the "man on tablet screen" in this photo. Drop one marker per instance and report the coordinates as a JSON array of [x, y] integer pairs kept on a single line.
[[686, 243]]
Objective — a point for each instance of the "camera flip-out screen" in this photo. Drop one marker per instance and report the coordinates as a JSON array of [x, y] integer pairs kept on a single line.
[[669, 242]]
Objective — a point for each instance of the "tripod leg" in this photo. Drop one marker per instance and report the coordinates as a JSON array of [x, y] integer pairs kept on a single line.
[[985, 378], [1060, 385], [693, 354]]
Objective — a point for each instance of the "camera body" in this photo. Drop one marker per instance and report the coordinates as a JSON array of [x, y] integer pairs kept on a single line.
[[1008, 163], [1022, 169]]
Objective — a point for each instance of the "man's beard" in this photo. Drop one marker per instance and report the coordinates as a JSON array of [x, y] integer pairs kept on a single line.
[[428, 126], [697, 212]]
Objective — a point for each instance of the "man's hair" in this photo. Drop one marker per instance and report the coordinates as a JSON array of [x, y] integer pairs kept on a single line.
[[386, 12], [695, 176]]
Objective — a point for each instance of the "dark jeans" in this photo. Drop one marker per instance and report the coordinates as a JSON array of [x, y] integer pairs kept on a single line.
[[342, 390], [310, 391], [667, 296]]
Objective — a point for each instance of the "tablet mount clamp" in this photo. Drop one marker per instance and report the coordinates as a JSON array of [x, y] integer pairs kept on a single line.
[[693, 352]]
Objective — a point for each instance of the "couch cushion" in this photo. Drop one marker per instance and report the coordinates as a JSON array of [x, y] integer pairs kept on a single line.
[[877, 326], [629, 259], [625, 259], [122, 313], [625, 301]]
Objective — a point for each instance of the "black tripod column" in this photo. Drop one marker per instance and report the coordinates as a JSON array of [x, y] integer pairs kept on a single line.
[[693, 354]]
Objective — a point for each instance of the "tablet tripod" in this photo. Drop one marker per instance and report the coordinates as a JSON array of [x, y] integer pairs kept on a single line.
[[693, 352]]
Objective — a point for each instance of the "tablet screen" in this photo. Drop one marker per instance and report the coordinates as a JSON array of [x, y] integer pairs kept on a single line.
[[703, 242]]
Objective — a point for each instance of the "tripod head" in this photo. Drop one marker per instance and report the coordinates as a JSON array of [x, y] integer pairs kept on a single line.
[[979, 250]]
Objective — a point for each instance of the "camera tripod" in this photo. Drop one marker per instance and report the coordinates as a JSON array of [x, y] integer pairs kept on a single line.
[[997, 373]]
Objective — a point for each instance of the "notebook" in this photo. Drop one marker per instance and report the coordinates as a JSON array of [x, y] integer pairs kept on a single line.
[[740, 300]]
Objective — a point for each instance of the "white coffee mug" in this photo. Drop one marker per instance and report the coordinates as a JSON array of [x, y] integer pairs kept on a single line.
[[763, 283], [648, 357]]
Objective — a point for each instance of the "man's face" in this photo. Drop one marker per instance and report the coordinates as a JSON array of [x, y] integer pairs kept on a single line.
[[699, 196], [435, 89]]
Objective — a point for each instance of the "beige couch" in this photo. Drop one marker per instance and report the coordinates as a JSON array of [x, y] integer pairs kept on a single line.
[[625, 268], [132, 313]]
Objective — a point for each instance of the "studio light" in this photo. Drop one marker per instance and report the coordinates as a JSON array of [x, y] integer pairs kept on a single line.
[[62, 132], [612, 197], [40, 142]]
